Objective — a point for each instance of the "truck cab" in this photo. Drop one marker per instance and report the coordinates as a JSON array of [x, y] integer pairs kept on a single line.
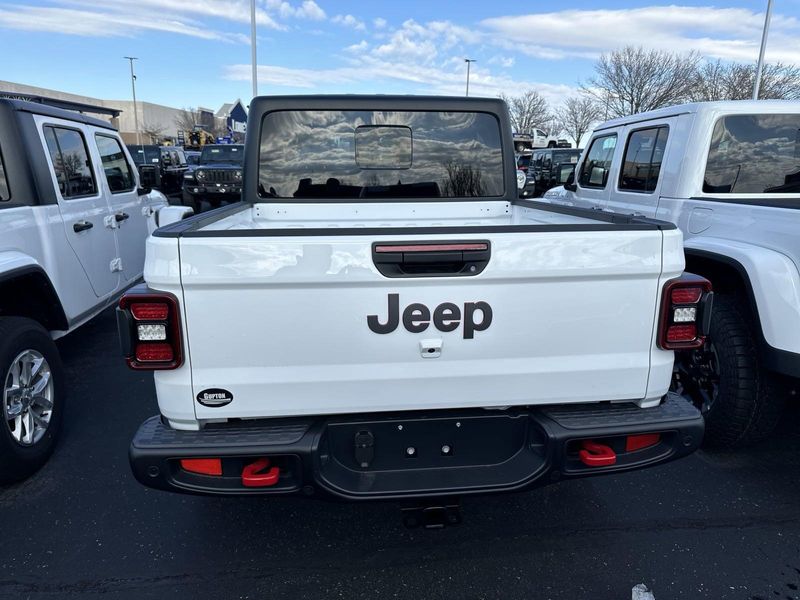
[[728, 174]]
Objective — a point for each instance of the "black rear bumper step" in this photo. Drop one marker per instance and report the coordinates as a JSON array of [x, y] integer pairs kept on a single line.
[[416, 454]]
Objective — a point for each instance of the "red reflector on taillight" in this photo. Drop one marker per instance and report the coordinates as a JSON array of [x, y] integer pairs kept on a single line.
[[154, 352], [149, 311], [682, 333], [644, 440], [203, 466], [686, 295]]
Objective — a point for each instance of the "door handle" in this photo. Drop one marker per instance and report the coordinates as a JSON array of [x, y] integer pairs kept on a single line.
[[121, 216], [82, 226]]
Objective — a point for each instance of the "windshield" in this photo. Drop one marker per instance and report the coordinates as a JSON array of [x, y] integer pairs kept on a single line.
[[222, 154], [144, 154], [380, 154], [754, 154], [566, 156]]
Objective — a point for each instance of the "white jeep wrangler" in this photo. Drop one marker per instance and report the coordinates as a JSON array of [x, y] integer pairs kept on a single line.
[[73, 224], [728, 174]]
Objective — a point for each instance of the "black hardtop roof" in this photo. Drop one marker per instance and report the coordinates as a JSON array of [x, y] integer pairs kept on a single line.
[[51, 111], [263, 104]]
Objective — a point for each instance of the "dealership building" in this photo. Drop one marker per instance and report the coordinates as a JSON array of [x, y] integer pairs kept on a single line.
[[154, 120]]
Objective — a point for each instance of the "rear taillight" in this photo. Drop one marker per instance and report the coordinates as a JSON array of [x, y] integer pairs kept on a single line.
[[685, 313], [149, 327]]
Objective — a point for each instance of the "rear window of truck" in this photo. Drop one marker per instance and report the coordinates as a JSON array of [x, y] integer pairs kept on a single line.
[[333, 154], [754, 154]]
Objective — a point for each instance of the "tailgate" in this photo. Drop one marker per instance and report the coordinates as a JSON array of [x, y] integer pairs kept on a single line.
[[303, 325]]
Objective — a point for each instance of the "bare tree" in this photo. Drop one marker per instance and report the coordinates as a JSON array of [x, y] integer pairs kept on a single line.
[[733, 81], [152, 131], [528, 111], [577, 115], [633, 80], [187, 118], [463, 181]]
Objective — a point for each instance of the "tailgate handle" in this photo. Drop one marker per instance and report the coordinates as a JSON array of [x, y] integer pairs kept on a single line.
[[431, 259]]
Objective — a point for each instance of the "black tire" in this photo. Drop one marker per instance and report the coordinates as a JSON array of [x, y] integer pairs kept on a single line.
[[18, 334], [551, 145], [748, 400]]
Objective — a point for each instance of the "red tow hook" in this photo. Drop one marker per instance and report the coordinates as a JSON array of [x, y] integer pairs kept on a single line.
[[596, 455], [251, 477]]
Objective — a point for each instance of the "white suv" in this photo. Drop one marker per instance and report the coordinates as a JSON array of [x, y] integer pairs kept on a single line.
[[73, 225], [728, 174]]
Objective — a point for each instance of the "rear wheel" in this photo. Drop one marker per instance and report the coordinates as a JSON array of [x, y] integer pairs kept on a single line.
[[740, 401], [31, 377], [551, 145]]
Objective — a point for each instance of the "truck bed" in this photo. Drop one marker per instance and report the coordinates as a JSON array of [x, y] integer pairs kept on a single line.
[[276, 300], [282, 218]]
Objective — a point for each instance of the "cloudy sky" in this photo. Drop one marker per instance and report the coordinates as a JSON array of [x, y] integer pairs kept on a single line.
[[196, 52]]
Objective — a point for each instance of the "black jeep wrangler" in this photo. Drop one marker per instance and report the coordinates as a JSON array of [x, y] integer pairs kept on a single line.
[[216, 179]]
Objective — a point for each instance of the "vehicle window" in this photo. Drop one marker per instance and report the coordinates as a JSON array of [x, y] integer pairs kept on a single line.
[[754, 154], [540, 132], [643, 156], [192, 159], [73, 169], [548, 161], [222, 154], [524, 160], [166, 158], [181, 157], [115, 166], [594, 170], [5, 195], [312, 154], [144, 154]]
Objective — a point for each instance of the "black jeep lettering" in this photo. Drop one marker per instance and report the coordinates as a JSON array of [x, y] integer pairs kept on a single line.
[[446, 317], [470, 326], [392, 320]]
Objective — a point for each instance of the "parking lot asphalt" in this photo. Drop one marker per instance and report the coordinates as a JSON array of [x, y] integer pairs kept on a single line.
[[715, 525]]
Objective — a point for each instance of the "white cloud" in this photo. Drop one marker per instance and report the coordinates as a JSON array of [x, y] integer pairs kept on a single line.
[[727, 33], [503, 61], [126, 18], [420, 80], [349, 21], [379, 23], [307, 10], [97, 24], [311, 10], [359, 47]]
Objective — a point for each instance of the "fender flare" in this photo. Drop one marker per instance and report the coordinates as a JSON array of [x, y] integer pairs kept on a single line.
[[17, 267], [772, 287]]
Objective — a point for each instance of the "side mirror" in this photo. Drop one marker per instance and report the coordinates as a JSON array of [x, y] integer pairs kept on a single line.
[[570, 183], [143, 191]]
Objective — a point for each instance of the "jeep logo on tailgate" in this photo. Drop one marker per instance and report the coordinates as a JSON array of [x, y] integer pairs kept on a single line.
[[214, 397], [446, 317]]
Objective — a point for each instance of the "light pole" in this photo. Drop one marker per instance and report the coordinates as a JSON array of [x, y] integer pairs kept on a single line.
[[760, 66], [133, 88], [253, 46], [469, 61]]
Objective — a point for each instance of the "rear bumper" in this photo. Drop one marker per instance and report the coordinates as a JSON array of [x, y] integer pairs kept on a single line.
[[455, 452]]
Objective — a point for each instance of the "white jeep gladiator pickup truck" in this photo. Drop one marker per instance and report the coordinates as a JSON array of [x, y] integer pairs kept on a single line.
[[382, 317], [73, 224], [728, 174]]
